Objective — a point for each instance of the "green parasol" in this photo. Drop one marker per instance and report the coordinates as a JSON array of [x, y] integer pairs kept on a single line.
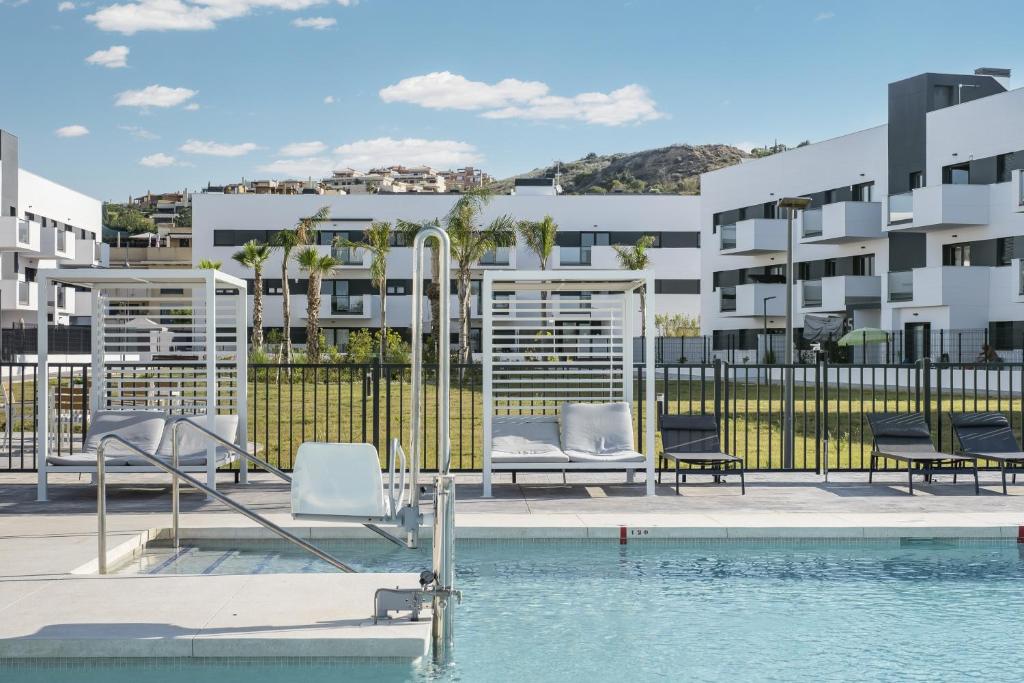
[[865, 335]]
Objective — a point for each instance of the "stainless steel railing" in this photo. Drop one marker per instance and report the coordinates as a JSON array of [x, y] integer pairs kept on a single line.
[[176, 473]]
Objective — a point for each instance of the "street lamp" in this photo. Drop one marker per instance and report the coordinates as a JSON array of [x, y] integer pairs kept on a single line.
[[792, 205], [764, 311]]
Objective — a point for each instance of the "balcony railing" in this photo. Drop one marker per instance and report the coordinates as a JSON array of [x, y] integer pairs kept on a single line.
[[497, 257], [574, 256], [901, 208], [728, 236], [727, 300], [62, 296], [901, 285], [1020, 277], [24, 235], [346, 305], [62, 240], [811, 223], [1020, 188], [348, 256], [24, 293], [812, 293]]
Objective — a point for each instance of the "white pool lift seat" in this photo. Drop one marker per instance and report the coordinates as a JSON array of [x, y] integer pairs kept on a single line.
[[343, 482]]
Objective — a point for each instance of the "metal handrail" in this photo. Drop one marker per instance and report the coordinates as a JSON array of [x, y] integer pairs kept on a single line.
[[249, 457], [176, 472]]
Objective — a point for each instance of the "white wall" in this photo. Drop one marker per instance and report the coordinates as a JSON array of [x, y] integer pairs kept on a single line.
[[46, 198]]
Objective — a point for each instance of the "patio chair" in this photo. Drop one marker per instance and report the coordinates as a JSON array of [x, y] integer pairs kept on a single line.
[[906, 438], [693, 440], [988, 436]]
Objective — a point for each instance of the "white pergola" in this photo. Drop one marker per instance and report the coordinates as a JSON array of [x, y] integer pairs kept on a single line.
[[167, 339], [557, 336]]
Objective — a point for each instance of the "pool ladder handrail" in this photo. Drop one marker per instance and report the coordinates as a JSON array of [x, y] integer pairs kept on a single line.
[[175, 472]]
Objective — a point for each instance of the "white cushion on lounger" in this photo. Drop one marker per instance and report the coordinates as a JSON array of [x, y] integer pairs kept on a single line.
[[141, 428], [84, 459], [614, 456], [503, 457], [192, 443], [526, 434], [597, 428]]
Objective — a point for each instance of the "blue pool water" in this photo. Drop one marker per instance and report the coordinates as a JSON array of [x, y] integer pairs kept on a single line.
[[660, 611]]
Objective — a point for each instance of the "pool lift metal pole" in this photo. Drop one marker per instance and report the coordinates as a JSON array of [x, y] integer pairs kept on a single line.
[[441, 588]]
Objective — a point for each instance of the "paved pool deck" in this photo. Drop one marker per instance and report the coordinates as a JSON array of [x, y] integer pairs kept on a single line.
[[52, 604]]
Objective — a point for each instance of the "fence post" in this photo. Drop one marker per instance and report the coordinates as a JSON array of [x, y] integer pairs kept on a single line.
[[942, 339], [817, 411], [718, 390], [824, 419]]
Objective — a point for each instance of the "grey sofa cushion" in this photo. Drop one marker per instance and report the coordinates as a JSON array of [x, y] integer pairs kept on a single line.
[[525, 434], [616, 456], [502, 457], [141, 428], [597, 428]]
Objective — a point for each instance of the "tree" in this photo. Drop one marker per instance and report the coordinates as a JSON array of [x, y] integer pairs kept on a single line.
[[317, 266], [636, 258], [183, 219], [470, 242], [254, 255], [540, 238], [409, 230], [377, 240], [287, 240], [209, 264], [678, 325]]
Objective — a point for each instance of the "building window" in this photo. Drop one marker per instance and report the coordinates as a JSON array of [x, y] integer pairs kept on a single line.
[[956, 255], [864, 192], [396, 289], [959, 174], [916, 180], [864, 264]]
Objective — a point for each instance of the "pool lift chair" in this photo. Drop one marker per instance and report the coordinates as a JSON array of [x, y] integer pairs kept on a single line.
[[343, 482]]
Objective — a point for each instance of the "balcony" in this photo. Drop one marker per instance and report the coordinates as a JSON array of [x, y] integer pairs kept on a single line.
[[938, 207], [841, 293], [350, 306], [963, 286], [753, 236], [63, 299], [57, 243], [19, 234], [18, 295], [1018, 195], [842, 222], [574, 256], [352, 257], [749, 300]]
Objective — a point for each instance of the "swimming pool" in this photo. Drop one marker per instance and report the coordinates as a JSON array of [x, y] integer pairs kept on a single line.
[[658, 610]]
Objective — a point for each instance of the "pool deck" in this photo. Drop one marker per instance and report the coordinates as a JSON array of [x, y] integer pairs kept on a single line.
[[53, 604]]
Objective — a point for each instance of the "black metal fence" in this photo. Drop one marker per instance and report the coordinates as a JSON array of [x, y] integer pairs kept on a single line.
[[65, 340], [289, 404]]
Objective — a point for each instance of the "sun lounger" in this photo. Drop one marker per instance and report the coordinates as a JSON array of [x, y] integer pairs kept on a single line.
[[905, 437], [693, 440], [988, 436]]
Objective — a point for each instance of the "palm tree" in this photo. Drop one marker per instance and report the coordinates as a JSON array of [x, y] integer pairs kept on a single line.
[[287, 240], [540, 238], [209, 264], [470, 242], [637, 258], [377, 240], [254, 255], [317, 267]]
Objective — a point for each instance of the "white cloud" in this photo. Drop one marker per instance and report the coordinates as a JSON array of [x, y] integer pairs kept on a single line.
[[65, 6], [512, 98], [139, 132], [158, 160], [75, 131], [302, 149], [114, 58], [630, 104], [408, 151], [217, 149], [329, 99], [154, 96], [315, 23], [348, 3], [316, 167], [192, 106], [445, 90], [185, 15], [824, 16]]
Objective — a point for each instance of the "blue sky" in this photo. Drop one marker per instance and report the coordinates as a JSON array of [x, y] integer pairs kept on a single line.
[[115, 98]]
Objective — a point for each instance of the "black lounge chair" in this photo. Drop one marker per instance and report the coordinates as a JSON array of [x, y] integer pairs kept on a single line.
[[988, 436], [905, 437], [693, 439]]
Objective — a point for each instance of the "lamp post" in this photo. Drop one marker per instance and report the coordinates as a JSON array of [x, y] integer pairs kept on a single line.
[[792, 205], [764, 314]]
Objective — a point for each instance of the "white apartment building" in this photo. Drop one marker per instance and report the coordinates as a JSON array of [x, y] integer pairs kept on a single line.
[[43, 225], [588, 226], [915, 226]]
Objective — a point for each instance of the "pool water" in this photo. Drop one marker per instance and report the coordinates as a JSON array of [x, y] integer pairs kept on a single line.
[[536, 611]]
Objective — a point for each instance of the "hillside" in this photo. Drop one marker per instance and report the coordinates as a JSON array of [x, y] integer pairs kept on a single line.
[[672, 169]]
